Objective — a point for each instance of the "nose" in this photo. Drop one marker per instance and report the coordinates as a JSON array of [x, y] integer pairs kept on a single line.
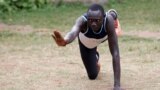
[[93, 24]]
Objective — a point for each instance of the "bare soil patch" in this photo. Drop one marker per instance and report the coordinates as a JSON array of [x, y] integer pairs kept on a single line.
[[49, 67]]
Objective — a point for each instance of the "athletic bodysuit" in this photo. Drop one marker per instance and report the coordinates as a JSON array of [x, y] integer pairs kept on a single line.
[[88, 42], [91, 39]]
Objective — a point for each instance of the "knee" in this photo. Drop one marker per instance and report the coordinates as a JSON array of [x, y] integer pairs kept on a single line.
[[93, 76]]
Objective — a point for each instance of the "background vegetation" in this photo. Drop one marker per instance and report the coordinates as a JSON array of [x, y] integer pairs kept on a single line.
[[15, 5], [142, 14]]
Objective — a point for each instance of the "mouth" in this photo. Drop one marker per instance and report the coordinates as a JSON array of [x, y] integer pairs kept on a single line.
[[95, 29], [94, 26]]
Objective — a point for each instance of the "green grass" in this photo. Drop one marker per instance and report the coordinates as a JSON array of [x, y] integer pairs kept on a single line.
[[49, 17], [141, 46], [135, 15], [139, 15], [15, 38]]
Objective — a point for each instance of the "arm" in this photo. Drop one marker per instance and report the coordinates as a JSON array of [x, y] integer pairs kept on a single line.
[[113, 46], [70, 36], [114, 14]]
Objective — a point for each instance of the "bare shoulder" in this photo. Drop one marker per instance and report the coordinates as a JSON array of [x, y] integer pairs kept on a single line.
[[110, 25], [81, 22], [110, 19], [110, 22]]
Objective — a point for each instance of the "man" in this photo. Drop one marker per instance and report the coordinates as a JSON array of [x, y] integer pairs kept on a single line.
[[93, 28]]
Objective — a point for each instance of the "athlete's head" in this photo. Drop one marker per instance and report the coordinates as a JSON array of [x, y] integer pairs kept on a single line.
[[95, 17]]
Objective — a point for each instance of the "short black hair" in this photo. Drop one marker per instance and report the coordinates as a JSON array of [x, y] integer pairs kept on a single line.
[[95, 7]]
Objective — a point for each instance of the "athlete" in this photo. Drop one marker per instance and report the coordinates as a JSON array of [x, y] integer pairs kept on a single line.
[[93, 28]]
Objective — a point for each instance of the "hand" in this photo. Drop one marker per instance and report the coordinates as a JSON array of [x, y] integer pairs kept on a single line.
[[117, 88], [58, 39]]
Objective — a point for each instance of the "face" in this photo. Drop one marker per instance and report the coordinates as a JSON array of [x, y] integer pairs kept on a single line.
[[95, 20]]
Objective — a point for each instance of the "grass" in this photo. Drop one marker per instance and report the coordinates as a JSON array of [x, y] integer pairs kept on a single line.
[[142, 14], [49, 17], [22, 39], [139, 46]]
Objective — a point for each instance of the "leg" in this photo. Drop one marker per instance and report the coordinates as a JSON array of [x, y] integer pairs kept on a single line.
[[90, 59], [114, 14]]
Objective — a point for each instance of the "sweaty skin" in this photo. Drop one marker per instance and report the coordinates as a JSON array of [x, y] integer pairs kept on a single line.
[[95, 20]]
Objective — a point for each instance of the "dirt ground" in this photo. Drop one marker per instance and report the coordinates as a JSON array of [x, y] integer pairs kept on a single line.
[[28, 29], [48, 67]]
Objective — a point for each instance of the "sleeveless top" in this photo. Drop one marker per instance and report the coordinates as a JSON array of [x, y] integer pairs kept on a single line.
[[91, 39]]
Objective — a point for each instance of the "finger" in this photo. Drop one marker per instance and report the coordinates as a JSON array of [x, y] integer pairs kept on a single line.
[[57, 34], [54, 37]]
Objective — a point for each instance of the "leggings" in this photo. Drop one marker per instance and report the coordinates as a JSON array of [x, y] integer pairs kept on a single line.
[[90, 58]]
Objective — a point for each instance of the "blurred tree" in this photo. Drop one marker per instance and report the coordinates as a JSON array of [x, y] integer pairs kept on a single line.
[[12, 5]]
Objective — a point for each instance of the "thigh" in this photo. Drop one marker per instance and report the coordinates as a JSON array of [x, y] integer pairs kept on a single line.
[[89, 59]]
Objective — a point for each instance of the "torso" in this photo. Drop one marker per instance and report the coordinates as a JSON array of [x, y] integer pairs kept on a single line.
[[91, 39]]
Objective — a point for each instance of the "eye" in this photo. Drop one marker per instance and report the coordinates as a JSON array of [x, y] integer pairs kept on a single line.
[[90, 20], [98, 20]]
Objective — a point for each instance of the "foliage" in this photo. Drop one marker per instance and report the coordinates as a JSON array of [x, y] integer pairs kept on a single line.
[[133, 15], [13, 5]]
